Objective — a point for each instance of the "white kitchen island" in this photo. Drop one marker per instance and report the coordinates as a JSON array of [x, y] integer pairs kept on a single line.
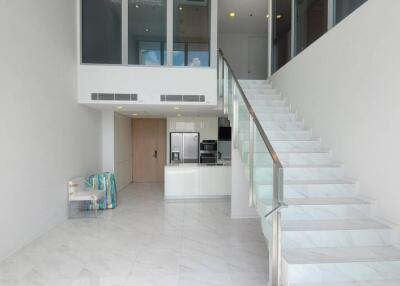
[[196, 181]]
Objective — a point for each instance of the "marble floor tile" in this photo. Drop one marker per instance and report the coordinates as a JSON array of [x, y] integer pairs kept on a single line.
[[145, 241]]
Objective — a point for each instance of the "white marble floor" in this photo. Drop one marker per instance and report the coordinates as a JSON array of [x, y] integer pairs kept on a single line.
[[146, 241]]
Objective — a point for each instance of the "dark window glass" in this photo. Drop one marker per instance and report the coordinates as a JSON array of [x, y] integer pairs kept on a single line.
[[147, 32], [312, 22], [282, 17], [191, 33], [346, 7], [101, 31]]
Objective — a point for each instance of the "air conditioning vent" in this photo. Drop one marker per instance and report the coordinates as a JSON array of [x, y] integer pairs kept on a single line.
[[194, 2], [182, 98], [115, 96]]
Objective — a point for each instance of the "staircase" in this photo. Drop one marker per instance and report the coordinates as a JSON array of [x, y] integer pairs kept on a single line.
[[328, 232]]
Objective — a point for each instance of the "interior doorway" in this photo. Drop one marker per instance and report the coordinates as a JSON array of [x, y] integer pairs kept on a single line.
[[258, 58], [149, 150]]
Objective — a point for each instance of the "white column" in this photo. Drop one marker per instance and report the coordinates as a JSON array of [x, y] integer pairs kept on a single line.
[[331, 13], [270, 37], [124, 31], [170, 32], [214, 33], [293, 33], [107, 138]]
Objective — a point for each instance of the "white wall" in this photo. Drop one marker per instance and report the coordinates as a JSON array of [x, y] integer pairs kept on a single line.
[[206, 126], [148, 82], [123, 150], [236, 49], [347, 88], [46, 137], [108, 141]]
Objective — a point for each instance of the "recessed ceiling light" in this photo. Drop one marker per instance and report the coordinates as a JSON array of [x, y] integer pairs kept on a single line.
[[119, 107], [147, 29], [232, 14], [177, 108], [180, 8], [137, 6], [279, 16]]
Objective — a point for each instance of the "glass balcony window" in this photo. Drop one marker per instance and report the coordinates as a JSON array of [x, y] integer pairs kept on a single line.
[[345, 7], [147, 32], [101, 31], [191, 33]]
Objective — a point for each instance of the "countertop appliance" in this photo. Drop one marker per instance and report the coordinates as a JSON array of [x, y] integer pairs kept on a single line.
[[209, 151], [184, 147]]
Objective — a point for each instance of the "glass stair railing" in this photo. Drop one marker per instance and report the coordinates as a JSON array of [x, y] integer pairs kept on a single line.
[[263, 168]]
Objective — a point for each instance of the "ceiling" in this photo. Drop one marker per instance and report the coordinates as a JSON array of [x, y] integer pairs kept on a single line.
[[159, 110], [250, 16]]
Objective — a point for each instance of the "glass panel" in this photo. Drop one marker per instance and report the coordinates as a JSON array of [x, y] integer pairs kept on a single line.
[[147, 24], [101, 31], [244, 130], [263, 177], [282, 33], [312, 22], [220, 76], [179, 58], [198, 55], [192, 33], [150, 53], [346, 7]]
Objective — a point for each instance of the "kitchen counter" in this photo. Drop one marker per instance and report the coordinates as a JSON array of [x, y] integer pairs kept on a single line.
[[196, 181], [219, 164]]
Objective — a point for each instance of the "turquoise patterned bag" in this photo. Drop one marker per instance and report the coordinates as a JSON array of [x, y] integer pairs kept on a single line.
[[105, 181]]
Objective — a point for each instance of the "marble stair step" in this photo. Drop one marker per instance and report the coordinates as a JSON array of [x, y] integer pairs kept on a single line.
[[326, 201], [317, 209], [340, 264], [298, 158], [313, 145], [365, 283], [262, 112], [302, 172], [289, 135], [283, 126], [254, 83], [260, 93], [335, 233], [301, 135], [346, 189], [283, 145], [328, 255], [268, 102], [263, 159]]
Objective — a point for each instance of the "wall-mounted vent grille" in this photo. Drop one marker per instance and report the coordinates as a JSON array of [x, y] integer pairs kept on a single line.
[[115, 96], [182, 98]]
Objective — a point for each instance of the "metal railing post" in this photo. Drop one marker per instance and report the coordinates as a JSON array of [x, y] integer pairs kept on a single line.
[[276, 257], [235, 117], [252, 200]]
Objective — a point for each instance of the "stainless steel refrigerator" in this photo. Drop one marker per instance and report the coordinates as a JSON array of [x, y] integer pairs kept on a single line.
[[184, 147]]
